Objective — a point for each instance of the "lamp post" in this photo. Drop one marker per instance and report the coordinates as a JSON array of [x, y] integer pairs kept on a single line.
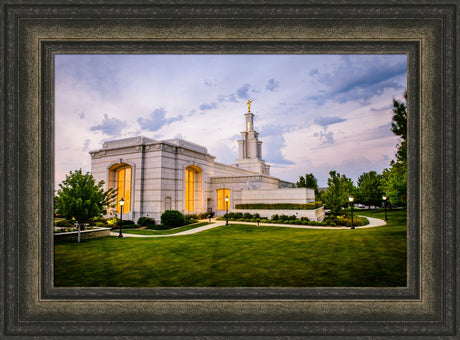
[[385, 205], [351, 198], [122, 202], [226, 208]]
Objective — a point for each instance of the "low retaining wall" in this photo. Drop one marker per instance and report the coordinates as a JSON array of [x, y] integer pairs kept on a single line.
[[313, 215], [84, 235]]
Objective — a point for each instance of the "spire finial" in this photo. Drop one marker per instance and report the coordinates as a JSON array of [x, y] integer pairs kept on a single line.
[[249, 105]]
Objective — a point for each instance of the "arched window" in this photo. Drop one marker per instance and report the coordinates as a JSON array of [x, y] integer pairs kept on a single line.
[[123, 177], [221, 194], [189, 189], [193, 189]]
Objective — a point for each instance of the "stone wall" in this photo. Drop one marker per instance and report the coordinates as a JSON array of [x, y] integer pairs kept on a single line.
[[84, 235], [313, 215], [285, 195]]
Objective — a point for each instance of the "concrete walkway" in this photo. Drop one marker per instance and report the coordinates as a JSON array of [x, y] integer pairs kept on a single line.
[[373, 222]]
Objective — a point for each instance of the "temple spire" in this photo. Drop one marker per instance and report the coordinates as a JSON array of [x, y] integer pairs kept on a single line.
[[249, 146]]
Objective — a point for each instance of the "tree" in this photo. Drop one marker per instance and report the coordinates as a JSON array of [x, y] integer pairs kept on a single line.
[[399, 127], [338, 190], [79, 197], [309, 181], [370, 188], [301, 182], [394, 183]]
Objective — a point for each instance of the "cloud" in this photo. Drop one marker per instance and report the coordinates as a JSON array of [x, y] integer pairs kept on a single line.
[[243, 92], [227, 98], [358, 79], [86, 145], [156, 120], [210, 106], [272, 85], [81, 115], [325, 121], [326, 137], [110, 126], [272, 148]]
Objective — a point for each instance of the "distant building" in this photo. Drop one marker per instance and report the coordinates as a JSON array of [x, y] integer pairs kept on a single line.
[[153, 176]]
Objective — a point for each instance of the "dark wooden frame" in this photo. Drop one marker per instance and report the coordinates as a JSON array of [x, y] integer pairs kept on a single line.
[[33, 31]]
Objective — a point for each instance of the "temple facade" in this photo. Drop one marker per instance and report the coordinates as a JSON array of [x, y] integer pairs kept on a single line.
[[153, 176]]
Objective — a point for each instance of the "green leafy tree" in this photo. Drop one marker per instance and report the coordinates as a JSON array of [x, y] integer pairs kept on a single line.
[[301, 182], [79, 197], [370, 188], [309, 181], [338, 190], [394, 183]]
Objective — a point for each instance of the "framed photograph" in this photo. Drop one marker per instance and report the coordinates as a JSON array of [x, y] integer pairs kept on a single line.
[[76, 93], [183, 134]]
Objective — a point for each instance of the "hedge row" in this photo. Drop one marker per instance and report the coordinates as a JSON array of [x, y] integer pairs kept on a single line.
[[280, 206], [283, 219]]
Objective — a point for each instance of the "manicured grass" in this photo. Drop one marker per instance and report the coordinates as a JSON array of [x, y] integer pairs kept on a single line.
[[242, 256], [161, 232]]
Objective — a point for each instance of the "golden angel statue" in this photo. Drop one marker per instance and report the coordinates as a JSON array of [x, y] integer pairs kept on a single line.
[[249, 105]]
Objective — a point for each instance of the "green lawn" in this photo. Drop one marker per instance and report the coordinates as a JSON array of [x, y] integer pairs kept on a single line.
[[161, 232], [242, 256]]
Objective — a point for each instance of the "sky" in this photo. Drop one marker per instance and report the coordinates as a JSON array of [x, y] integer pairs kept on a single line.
[[314, 113]]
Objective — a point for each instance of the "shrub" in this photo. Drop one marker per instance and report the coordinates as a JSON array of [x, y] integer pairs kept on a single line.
[[190, 220], [113, 222], [95, 220], [125, 222], [247, 216], [277, 206], [131, 226], [205, 215], [63, 224], [146, 221], [172, 219], [234, 215], [100, 224]]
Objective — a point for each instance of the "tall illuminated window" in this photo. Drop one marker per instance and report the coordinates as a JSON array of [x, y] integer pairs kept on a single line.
[[189, 190], [124, 189], [221, 194]]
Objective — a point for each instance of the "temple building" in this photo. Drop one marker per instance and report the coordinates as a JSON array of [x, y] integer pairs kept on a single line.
[[153, 176]]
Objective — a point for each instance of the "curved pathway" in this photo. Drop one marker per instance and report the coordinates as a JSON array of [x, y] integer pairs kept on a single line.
[[373, 222]]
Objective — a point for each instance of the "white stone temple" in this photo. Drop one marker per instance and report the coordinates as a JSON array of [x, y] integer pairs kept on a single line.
[[153, 176]]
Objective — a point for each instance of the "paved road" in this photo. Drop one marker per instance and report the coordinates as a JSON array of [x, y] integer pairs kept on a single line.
[[373, 222]]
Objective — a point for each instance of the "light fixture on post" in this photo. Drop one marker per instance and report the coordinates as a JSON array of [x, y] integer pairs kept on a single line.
[[351, 199], [385, 205], [226, 209], [122, 202]]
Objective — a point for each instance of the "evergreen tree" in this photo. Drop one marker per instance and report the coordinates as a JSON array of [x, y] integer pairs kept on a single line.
[[338, 190], [81, 198]]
